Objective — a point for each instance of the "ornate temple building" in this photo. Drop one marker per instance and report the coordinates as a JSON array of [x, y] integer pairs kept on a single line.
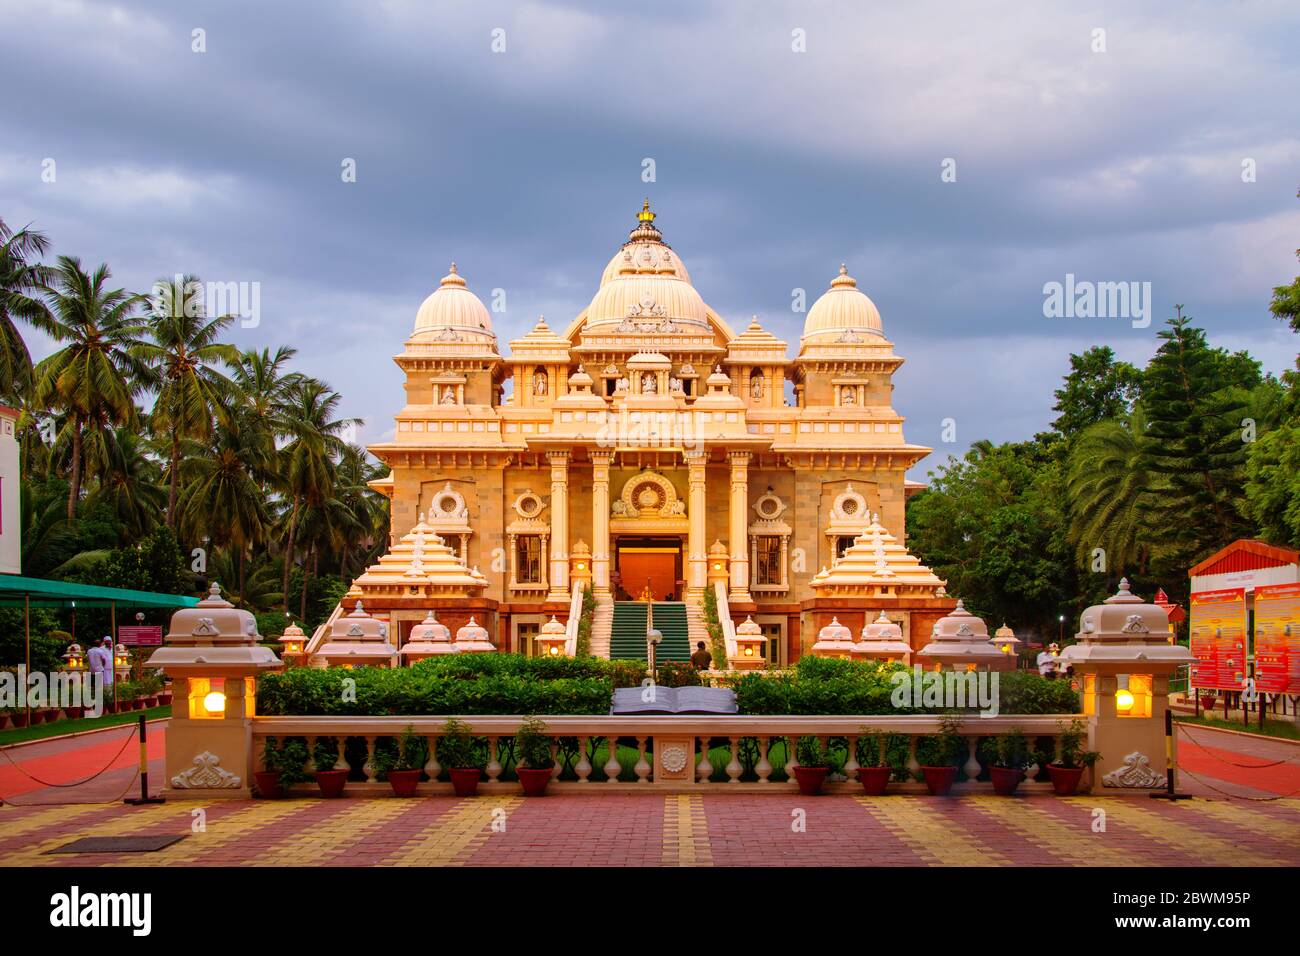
[[645, 452]]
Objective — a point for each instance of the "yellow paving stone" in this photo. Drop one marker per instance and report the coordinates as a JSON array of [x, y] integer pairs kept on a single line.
[[1136, 815], [1076, 844], [1240, 813], [455, 836], [15, 824], [346, 828], [921, 825], [219, 832], [92, 824], [685, 831]]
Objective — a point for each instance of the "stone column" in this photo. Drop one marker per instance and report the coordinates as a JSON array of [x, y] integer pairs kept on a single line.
[[739, 526], [559, 525], [600, 460], [697, 552]]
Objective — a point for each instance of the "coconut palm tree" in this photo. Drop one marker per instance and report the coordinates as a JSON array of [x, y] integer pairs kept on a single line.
[[184, 353], [95, 378], [307, 462], [129, 482], [1113, 495], [21, 279]]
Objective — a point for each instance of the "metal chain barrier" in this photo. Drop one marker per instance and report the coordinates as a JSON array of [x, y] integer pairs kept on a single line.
[[78, 783], [1236, 796], [1243, 766]]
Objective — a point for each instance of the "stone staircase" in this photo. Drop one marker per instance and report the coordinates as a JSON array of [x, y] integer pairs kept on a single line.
[[602, 624], [696, 629], [627, 638]]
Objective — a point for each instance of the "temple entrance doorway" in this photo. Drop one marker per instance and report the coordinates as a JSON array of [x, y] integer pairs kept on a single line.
[[648, 566]]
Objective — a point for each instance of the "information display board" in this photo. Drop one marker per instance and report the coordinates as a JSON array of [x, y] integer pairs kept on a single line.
[[1277, 639], [1218, 630]]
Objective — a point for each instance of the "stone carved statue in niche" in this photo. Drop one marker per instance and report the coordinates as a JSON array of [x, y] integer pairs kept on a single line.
[[539, 385], [846, 395], [448, 396], [623, 385], [756, 388], [649, 383], [674, 384]]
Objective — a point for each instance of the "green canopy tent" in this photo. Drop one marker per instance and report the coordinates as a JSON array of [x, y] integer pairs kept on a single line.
[[27, 593]]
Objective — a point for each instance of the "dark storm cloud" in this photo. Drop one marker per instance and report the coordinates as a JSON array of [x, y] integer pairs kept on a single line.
[[773, 167]]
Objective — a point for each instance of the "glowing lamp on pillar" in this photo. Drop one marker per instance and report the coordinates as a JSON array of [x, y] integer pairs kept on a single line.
[[295, 644], [74, 659], [551, 638], [121, 663], [1125, 660], [719, 567], [212, 655], [580, 564], [1005, 640], [749, 647]]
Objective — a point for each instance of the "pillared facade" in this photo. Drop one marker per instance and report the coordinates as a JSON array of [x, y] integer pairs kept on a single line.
[[645, 449]]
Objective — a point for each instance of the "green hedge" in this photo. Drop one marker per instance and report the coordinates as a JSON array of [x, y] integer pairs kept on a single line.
[[455, 684], [825, 686]]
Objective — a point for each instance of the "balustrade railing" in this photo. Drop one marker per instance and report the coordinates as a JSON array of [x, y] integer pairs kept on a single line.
[[691, 739]]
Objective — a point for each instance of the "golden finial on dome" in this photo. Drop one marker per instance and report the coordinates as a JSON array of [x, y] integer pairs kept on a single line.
[[645, 215], [452, 277], [844, 280]]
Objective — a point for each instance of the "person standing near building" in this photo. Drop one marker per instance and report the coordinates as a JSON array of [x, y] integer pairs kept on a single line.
[[701, 660], [1048, 661], [101, 662]]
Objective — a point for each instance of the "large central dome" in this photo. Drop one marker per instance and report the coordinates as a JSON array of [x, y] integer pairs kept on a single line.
[[645, 279]]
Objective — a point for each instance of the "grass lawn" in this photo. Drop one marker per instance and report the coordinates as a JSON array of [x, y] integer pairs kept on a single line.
[[1272, 728], [17, 735]]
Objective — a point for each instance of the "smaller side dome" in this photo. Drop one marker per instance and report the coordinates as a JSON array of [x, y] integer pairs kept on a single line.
[[843, 311], [452, 306]]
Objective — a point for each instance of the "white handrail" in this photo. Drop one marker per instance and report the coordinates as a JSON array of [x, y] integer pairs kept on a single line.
[[571, 625], [318, 635], [724, 618]]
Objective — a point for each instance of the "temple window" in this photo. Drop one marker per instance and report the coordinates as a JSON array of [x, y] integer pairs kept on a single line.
[[842, 544], [528, 559], [768, 570]]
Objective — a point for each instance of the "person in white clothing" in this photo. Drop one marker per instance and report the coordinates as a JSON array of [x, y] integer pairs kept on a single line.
[[100, 659], [1049, 660]]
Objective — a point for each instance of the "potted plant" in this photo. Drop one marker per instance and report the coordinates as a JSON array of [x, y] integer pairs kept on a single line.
[[328, 780], [462, 754], [284, 766], [536, 765], [73, 713], [35, 715], [812, 764], [404, 767], [937, 754], [873, 766], [1072, 760], [1013, 759], [165, 695], [19, 718]]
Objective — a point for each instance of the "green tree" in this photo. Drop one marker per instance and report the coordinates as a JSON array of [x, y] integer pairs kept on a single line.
[[21, 279], [1286, 301], [1098, 388], [155, 564], [129, 484], [184, 353], [94, 379]]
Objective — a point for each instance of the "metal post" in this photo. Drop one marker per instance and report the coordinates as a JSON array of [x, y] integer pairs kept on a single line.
[[144, 771], [1169, 792]]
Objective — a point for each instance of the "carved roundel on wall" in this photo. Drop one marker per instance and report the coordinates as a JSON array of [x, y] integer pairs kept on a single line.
[[447, 503], [528, 505], [849, 504], [674, 758], [648, 495], [769, 506]]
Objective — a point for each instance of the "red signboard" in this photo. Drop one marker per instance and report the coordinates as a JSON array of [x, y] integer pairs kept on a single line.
[[1218, 634], [1277, 639], [141, 635]]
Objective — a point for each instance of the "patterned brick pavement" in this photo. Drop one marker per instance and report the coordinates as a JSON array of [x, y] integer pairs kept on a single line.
[[672, 830]]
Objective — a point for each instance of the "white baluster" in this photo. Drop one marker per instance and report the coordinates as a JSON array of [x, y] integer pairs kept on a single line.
[[555, 763], [642, 768], [583, 766], [342, 763], [310, 766], [494, 765], [734, 767], [851, 762], [971, 768], [763, 768], [612, 767], [369, 766], [431, 766], [704, 769], [791, 745]]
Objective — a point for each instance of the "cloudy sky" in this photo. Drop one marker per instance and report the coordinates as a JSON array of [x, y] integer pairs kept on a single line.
[[1087, 139]]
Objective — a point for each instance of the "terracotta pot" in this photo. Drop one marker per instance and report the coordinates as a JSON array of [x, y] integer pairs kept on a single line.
[[1005, 779], [137, 704], [938, 780], [874, 779], [1065, 780], [108, 707], [4, 721], [19, 718], [811, 779], [534, 780], [403, 782], [464, 780], [331, 782], [35, 717], [268, 784], [151, 701], [74, 713], [164, 700]]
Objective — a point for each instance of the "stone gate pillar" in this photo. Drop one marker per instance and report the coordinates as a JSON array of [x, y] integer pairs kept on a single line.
[[559, 525]]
